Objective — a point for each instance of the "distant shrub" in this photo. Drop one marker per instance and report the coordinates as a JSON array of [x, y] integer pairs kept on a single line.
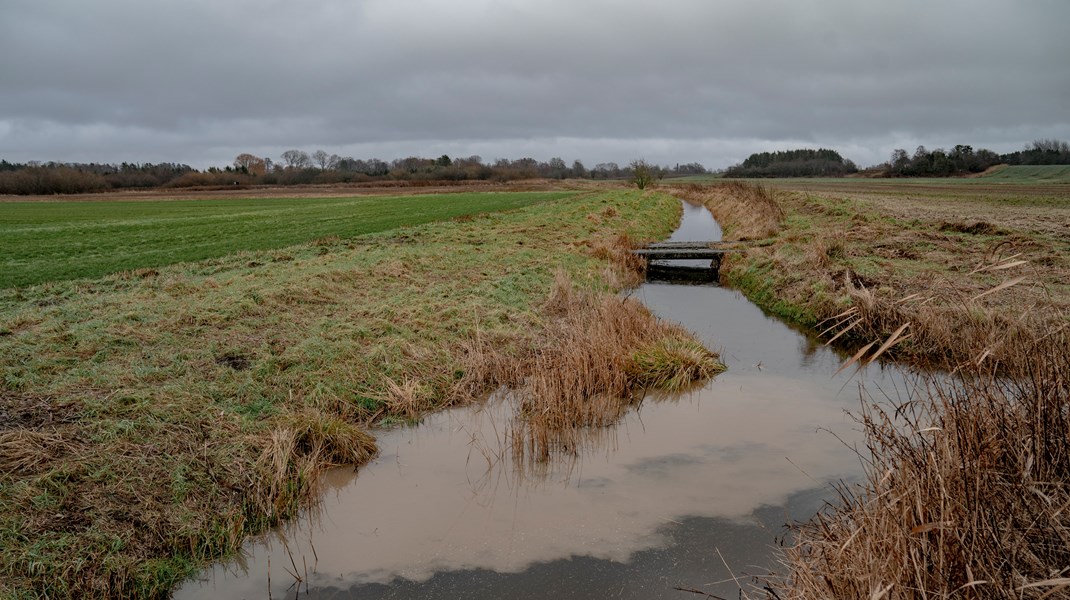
[[210, 179], [50, 180]]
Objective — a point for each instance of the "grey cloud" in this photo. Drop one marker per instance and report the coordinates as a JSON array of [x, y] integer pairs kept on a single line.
[[677, 82]]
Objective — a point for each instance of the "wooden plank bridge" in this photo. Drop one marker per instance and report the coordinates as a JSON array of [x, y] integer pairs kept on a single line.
[[671, 251], [682, 251]]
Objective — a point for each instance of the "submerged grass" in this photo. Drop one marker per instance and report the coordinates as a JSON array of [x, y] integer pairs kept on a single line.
[[150, 420], [965, 493]]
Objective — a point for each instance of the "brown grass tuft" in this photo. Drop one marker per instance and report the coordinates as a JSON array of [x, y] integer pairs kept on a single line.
[[966, 492], [617, 251], [27, 452], [298, 451], [602, 351]]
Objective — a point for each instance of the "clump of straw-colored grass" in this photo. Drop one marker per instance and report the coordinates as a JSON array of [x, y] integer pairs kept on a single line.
[[298, 451], [966, 494], [602, 351]]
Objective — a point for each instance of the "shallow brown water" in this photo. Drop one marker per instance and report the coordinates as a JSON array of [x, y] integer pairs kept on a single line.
[[680, 489]]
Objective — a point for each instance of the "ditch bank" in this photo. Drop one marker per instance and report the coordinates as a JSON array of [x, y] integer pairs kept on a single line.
[[682, 491], [965, 481]]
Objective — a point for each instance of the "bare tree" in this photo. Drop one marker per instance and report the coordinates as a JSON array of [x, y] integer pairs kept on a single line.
[[296, 159], [321, 159]]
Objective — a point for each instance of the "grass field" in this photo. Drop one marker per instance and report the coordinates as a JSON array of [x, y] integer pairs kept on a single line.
[[54, 241], [1030, 174], [150, 421], [1040, 175]]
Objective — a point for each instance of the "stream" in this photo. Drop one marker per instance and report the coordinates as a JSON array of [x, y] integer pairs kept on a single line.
[[691, 491]]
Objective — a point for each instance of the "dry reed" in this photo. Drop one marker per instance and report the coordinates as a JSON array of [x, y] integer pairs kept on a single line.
[[966, 493], [745, 211], [601, 352]]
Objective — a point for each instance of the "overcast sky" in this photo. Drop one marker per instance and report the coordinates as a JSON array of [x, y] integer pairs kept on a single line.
[[709, 81]]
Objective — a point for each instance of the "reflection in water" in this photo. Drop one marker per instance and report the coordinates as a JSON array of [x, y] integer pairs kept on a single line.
[[696, 225], [678, 485]]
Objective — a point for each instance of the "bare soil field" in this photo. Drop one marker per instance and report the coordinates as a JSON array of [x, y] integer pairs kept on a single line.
[[376, 188]]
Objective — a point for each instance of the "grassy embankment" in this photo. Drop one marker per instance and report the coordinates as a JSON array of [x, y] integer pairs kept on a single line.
[[153, 418], [967, 488]]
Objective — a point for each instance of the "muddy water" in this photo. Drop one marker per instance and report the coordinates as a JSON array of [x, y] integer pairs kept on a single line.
[[685, 492]]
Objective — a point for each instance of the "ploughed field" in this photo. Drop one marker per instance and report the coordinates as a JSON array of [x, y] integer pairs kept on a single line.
[[52, 241]]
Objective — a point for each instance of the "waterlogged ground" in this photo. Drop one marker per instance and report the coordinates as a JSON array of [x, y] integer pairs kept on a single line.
[[687, 492]]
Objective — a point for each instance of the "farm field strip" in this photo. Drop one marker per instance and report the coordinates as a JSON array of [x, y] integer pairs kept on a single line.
[[54, 241], [1030, 173]]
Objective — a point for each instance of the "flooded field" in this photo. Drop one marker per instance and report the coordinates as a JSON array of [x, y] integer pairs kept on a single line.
[[688, 492]]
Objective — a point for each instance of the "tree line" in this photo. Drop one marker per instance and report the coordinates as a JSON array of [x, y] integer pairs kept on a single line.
[[793, 163], [1040, 152], [75, 178], [297, 167], [963, 159], [960, 160]]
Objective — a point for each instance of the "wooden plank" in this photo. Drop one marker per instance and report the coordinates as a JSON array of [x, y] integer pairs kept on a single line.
[[683, 245], [678, 253]]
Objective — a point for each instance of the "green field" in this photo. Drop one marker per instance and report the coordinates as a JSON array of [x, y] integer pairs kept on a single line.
[[1031, 174], [55, 241], [148, 424]]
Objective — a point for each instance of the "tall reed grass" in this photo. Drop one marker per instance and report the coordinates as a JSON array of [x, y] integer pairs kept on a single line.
[[966, 493]]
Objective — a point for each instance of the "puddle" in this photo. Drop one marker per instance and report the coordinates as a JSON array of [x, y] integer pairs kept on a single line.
[[680, 489]]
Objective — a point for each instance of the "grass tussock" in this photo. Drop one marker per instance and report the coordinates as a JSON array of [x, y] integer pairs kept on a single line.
[[298, 451], [966, 494], [602, 352]]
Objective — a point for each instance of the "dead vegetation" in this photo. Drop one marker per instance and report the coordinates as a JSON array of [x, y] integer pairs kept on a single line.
[[858, 271], [966, 492], [601, 352], [745, 211]]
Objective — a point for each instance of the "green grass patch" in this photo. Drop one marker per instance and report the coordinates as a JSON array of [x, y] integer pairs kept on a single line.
[[55, 241], [1030, 174]]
